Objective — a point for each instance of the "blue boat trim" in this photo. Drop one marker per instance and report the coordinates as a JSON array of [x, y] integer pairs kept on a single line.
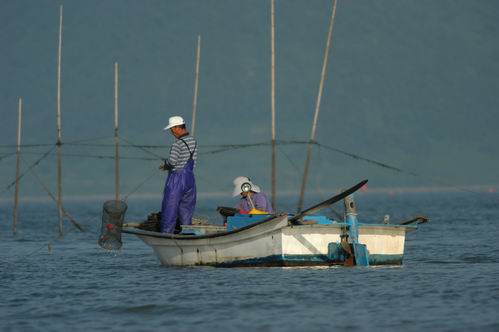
[[305, 260], [242, 220]]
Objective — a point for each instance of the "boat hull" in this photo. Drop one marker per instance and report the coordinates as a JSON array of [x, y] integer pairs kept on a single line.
[[274, 242]]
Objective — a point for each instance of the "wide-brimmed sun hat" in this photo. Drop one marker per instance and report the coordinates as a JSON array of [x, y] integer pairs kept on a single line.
[[243, 183], [174, 121]]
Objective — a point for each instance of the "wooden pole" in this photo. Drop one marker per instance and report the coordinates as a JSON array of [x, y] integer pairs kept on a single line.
[[116, 135], [272, 102], [18, 165], [317, 108], [196, 85], [59, 130]]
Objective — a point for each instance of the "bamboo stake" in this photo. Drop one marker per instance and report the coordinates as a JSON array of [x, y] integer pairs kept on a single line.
[[59, 130], [272, 102], [18, 164], [116, 135], [196, 84], [317, 108]]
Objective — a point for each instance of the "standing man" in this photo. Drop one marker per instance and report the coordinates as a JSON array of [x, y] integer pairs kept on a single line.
[[179, 195]]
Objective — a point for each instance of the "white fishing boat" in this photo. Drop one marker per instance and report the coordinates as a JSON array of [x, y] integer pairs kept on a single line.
[[303, 239], [276, 242]]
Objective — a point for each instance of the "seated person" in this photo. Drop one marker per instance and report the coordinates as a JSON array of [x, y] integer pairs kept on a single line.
[[252, 200]]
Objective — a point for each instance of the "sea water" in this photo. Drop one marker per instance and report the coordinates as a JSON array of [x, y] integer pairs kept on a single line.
[[448, 282]]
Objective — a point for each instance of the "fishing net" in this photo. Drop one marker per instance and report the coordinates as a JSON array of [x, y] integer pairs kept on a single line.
[[152, 223], [113, 214]]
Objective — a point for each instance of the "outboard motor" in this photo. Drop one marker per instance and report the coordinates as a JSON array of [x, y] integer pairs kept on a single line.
[[113, 215]]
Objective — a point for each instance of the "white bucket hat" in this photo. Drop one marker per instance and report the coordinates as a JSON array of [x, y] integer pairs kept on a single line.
[[243, 181], [174, 121]]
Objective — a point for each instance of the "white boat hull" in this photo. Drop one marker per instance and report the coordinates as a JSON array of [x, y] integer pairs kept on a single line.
[[274, 243]]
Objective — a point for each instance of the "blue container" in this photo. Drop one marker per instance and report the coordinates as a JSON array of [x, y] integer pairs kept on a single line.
[[335, 252], [241, 220]]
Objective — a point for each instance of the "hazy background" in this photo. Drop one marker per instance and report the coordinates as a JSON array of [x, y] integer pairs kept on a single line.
[[414, 84]]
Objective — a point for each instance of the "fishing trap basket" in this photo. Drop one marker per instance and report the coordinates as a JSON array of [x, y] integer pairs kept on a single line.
[[113, 215]]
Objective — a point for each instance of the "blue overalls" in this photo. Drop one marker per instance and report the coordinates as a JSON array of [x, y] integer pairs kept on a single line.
[[179, 196]]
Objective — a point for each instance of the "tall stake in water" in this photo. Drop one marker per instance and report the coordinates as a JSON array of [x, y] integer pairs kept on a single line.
[[272, 101], [59, 130], [18, 165], [317, 108], [116, 135], [196, 84]]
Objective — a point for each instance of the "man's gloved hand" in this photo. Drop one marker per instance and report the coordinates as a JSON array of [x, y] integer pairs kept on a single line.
[[166, 166]]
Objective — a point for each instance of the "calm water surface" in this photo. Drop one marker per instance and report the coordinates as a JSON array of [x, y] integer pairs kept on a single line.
[[449, 280]]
